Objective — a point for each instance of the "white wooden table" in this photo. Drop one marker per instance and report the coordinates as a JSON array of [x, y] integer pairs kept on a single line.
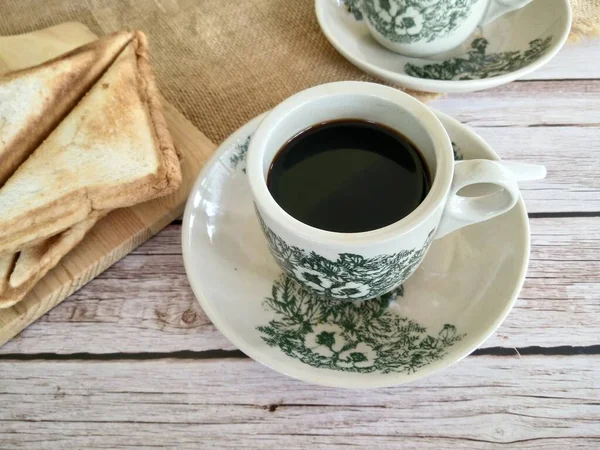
[[131, 360]]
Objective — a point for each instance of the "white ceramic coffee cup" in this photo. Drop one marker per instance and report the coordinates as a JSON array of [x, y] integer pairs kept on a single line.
[[425, 27], [357, 266]]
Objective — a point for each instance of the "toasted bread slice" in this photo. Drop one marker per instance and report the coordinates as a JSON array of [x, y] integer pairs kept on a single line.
[[113, 150], [36, 261], [33, 101], [6, 266]]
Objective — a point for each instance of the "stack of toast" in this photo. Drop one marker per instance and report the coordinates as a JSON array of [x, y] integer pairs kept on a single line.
[[80, 135]]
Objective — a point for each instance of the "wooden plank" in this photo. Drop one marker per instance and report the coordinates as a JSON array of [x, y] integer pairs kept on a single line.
[[144, 303], [571, 155], [532, 103], [120, 231], [576, 60], [482, 402], [562, 289]]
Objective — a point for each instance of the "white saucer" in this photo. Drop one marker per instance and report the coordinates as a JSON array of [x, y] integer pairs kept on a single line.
[[506, 49], [462, 292]]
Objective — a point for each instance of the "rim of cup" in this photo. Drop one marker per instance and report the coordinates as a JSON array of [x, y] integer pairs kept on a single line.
[[442, 179]]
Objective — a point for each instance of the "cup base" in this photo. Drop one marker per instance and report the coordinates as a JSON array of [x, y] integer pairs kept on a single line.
[[414, 50]]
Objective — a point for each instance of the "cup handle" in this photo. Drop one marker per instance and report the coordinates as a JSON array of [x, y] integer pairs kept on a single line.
[[461, 211], [497, 8]]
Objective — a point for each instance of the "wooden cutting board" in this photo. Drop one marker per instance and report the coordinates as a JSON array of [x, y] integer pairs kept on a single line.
[[122, 230]]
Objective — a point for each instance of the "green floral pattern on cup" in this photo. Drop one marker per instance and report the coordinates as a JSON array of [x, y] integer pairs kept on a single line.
[[360, 337], [350, 276], [407, 21], [476, 64]]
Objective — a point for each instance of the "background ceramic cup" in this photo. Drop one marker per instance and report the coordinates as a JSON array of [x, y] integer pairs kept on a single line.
[[359, 266], [426, 27]]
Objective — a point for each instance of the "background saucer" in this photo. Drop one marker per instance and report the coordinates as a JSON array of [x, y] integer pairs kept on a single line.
[[461, 293], [506, 49]]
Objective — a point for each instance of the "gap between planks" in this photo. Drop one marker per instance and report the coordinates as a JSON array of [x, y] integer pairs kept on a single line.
[[564, 350]]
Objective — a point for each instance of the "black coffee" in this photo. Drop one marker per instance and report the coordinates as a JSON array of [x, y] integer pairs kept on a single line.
[[348, 176]]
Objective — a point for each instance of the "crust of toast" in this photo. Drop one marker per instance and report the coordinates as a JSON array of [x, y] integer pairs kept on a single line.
[[147, 83], [91, 61], [35, 262], [59, 214]]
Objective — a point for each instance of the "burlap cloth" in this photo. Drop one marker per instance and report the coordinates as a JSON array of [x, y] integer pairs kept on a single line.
[[222, 62]]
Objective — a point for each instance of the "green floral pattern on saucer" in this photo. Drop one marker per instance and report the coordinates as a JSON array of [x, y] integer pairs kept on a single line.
[[476, 64], [415, 20], [458, 156], [239, 154], [365, 337]]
